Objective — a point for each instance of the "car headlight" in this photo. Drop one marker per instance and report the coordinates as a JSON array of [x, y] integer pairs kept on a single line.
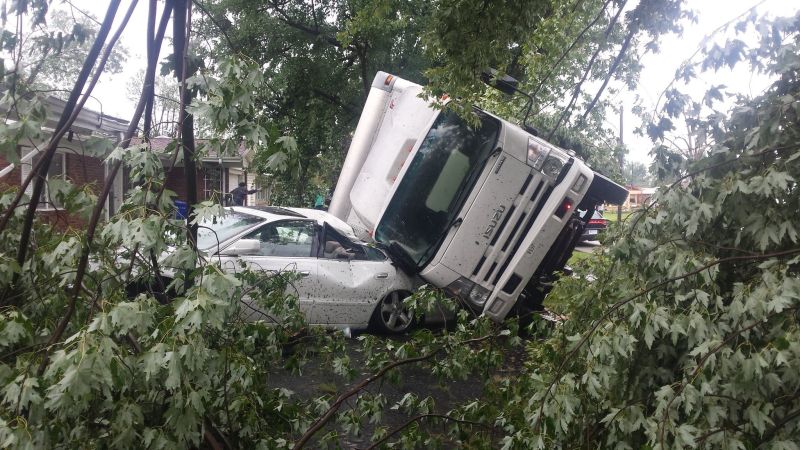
[[460, 288], [465, 289]]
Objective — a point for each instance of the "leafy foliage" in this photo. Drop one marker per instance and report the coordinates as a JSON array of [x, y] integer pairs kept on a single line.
[[50, 57], [685, 335], [688, 334]]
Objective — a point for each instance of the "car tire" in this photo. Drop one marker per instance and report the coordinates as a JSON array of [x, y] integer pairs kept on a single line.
[[391, 316], [152, 287]]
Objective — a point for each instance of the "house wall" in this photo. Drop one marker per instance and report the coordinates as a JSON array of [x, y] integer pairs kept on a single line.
[[176, 181], [86, 170], [260, 198], [13, 178], [80, 170]]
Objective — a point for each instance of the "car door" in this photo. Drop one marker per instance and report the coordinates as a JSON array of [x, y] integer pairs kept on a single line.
[[356, 278], [286, 247]]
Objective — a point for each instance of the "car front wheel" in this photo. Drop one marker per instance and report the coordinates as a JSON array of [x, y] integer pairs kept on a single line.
[[391, 315]]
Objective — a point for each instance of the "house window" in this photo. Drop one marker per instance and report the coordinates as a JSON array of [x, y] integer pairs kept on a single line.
[[262, 196], [57, 170], [212, 182]]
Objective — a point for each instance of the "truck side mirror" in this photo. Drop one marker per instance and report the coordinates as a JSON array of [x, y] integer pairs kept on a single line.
[[505, 84]]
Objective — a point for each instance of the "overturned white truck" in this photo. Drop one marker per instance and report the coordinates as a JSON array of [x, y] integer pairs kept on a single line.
[[489, 213]]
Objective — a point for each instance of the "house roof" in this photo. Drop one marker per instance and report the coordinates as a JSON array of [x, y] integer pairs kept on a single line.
[[87, 122], [162, 142]]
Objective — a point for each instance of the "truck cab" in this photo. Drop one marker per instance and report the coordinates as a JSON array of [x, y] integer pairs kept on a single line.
[[486, 211]]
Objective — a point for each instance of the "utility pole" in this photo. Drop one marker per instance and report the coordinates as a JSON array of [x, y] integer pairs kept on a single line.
[[621, 156]]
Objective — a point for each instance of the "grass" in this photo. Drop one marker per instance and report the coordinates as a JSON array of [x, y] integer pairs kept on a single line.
[[577, 256], [611, 214]]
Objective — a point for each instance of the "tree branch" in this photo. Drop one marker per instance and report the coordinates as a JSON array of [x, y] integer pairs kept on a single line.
[[180, 45], [571, 47], [420, 417], [84, 260], [216, 23], [586, 72], [366, 382], [316, 32], [568, 357], [611, 71]]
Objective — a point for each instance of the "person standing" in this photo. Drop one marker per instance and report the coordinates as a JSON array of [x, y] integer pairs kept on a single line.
[[238, 195]]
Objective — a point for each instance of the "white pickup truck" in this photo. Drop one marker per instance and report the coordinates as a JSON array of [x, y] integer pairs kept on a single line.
[[487, 213]]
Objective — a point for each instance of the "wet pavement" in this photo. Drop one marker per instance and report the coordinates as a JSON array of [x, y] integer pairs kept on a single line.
[[588, 246], [318, 379]]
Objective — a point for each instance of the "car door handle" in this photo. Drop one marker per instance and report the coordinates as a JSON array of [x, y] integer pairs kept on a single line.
[[382, 275], [304, 273]]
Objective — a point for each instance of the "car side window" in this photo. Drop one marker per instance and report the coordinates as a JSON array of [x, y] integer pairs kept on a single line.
[[373, 254], [337, 246], [287, 238]]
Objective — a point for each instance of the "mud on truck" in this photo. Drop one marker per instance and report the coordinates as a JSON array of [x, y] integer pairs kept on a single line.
[[489, 213]]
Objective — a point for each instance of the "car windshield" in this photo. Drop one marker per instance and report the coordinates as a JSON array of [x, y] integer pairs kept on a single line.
[[435, 186], [219, 229]]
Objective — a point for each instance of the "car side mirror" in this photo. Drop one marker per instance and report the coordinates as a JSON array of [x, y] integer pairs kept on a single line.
[[243, 247]]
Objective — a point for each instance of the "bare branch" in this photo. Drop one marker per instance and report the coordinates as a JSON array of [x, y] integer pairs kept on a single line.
[[421, 417], [366, 382]]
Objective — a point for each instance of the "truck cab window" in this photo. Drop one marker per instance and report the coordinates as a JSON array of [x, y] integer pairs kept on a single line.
[[447, 165]]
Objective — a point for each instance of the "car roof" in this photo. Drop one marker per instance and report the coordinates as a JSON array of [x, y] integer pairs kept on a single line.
[[272, 213]]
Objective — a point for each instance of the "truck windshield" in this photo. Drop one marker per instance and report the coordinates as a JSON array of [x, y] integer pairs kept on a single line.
[[435, 186]]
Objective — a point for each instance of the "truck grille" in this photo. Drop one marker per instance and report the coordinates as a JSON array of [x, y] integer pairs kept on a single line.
[[512, 230]]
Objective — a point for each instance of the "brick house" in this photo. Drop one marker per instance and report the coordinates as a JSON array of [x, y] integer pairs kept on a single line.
[[73, 161], [637, 196], [216, 175]]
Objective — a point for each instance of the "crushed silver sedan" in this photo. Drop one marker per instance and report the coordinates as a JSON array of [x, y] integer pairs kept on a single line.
[[342, 282]]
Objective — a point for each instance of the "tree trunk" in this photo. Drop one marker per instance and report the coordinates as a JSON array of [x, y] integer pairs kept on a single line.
[[181, 20]]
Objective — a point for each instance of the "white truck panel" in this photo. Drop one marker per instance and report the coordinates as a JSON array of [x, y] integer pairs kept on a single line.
[[393, 119], [405, 120], [361, 145], [536, 243]]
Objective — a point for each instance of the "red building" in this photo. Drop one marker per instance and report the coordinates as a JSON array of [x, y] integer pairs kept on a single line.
[[76, 162]]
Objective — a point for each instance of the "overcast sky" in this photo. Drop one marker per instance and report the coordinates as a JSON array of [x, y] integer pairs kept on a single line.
[[659, 69]]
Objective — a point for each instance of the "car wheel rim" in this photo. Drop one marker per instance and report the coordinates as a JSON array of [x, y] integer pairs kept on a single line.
[[394, 314]]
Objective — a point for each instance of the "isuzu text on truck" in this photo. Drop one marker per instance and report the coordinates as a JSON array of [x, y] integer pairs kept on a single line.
[[488, 212]]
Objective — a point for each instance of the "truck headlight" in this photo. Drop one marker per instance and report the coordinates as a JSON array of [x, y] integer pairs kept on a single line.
[[552, 166], [478, 295], [536, 153], [465, 289]]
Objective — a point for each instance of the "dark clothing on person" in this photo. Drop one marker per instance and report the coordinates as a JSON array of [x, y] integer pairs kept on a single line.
[[238, 195]]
